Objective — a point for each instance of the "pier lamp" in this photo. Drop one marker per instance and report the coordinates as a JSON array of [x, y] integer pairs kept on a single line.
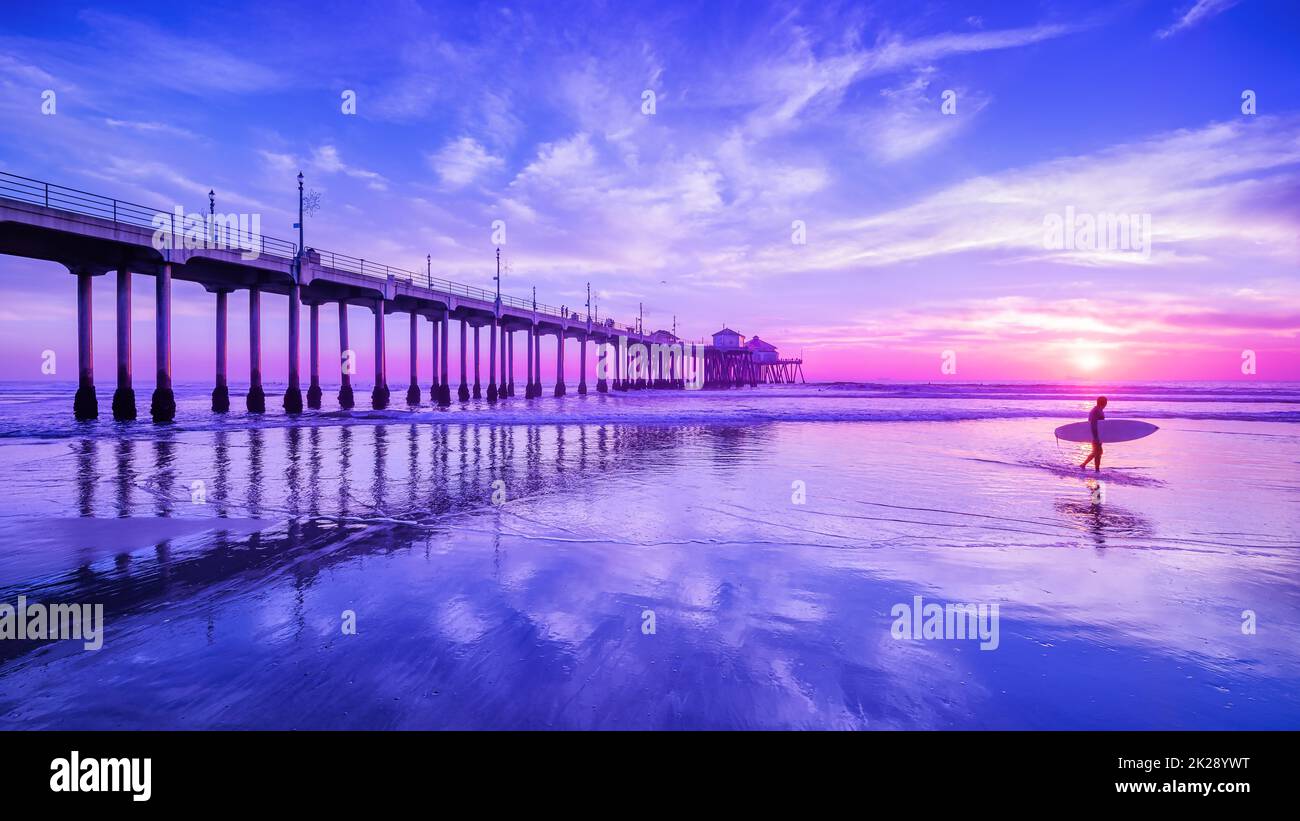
[[300, 227], [497, 278]]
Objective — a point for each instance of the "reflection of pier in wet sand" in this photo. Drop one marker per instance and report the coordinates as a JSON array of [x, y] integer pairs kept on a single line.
[[212, 520]]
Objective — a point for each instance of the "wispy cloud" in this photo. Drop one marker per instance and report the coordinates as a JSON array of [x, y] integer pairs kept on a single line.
[[462, 161], [1201, 187], [799, 80], [179, 63], [1200, 11], [910, 120], [326, 160], [150, 128], [163, 186], [14, 71]]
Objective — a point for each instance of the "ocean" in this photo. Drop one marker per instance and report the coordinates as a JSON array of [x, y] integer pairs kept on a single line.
[[733, 559]]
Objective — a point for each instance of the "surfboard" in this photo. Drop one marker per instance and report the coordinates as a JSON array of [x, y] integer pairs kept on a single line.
[[1110, 430]]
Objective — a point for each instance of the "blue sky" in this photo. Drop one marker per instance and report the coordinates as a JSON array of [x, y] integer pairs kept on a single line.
[[923, 228]]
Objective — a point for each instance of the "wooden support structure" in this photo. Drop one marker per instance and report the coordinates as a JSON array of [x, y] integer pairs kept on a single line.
[[781, 372]]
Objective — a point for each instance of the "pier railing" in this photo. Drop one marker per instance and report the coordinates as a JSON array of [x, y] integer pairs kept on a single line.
[[216, 233], [356, 265], [222, 234]]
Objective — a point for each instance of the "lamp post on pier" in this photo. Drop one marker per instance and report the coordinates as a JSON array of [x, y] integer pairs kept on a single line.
[[301, 229]]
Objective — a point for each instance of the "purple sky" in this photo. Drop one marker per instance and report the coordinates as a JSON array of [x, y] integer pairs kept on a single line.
[[925, 230]]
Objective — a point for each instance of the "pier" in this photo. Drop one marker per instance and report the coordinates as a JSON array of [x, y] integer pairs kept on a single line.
[[91, 235]]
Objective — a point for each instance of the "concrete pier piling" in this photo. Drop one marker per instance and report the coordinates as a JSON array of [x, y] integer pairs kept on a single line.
[[478, 389], [559, 363], [221, 388], [602, 368], [444, 386], [510, 365], [413, 391], [582, 366], [531, 389], [379, 396], [503, 387], [163, 406], [503, 390], [620, 370], [256, 401], [492, 361], [313, 359], [437, 381], [85, 405], [537, 362], [124, 395], [528, 363], [462, 393], [293, 392], [346, 359]]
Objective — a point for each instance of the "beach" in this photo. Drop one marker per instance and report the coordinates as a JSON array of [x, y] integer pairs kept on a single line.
[[660, 560]]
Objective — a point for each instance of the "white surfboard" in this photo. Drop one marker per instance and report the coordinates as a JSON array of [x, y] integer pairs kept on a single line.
[[1110, 430]]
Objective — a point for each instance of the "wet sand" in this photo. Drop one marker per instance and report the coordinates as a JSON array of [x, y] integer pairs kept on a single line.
[[1120, 604]]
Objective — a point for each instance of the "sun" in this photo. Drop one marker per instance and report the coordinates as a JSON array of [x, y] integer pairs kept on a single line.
[[1086, 355], [1088, 360]]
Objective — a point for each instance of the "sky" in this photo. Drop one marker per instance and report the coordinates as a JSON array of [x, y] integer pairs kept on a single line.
[[872, 186]]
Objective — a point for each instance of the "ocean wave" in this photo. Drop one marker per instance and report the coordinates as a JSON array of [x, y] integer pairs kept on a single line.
[[44, 412]]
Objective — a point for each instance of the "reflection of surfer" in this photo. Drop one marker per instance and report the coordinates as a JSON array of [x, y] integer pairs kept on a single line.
[[1094, 416]]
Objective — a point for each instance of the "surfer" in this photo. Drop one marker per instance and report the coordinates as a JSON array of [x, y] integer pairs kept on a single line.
[[1094, 416]]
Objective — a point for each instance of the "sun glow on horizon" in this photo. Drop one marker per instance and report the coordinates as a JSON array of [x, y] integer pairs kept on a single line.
[[1086, 356], [1088, 360]]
